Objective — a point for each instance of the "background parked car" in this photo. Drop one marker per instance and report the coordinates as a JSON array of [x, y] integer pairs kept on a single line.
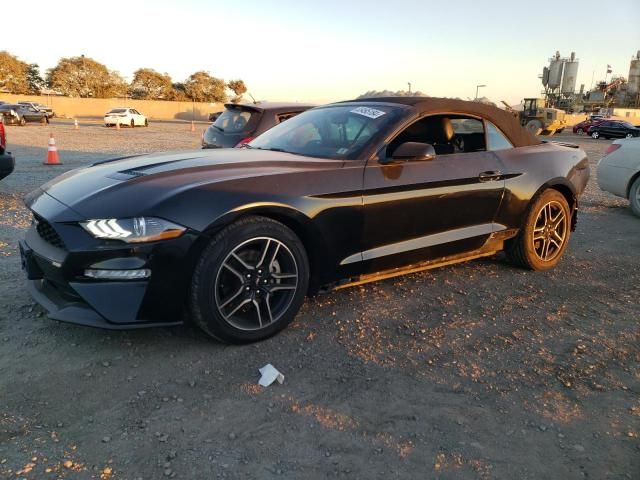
[[614, 129], [125, 117], [582, 127], [214, 116], [41, 107], [14, 114], [619, 171], [7, 162], [240, 123]]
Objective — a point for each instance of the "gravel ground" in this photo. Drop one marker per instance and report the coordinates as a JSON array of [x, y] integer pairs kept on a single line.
[[479, 370]]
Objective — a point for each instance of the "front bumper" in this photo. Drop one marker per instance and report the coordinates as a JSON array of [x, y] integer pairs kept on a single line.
[[7, 164], [57, 280]]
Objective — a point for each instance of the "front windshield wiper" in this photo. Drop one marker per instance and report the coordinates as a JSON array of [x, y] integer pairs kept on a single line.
[[215, 126], [273, 149]]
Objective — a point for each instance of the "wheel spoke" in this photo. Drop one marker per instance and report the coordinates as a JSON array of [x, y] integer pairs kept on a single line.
[[267, 298], [232, 297], [557, 237], [264, 253], [244, 264], [283, 276], [238, 307], [233, 270], [273, 257], [257, 305]]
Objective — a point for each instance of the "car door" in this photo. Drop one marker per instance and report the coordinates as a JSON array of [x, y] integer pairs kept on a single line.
[[611, 130], [30, 114], [423, 209], [136, 117]]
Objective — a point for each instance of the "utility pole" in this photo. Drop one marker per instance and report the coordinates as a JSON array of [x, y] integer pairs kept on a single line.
[[477, 88]]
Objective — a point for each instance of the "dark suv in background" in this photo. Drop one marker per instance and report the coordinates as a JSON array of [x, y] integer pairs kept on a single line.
[[7, 162], [240, 123]]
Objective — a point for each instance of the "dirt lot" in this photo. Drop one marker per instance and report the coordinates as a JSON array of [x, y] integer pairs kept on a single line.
[[479, 370]]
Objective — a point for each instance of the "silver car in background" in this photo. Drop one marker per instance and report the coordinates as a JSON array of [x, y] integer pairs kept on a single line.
[[619, 171]]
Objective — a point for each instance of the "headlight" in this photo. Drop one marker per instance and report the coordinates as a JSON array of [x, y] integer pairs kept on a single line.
[[133, 230]]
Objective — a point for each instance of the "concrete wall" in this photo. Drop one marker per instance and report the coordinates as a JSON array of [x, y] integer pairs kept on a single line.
[[96, 107]]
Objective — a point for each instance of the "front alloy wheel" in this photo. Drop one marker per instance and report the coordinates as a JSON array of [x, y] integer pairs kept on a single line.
[[595, 135], [256, 283], [250, 281]]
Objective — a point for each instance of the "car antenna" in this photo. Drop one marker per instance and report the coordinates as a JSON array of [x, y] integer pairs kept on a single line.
[[254, 100]]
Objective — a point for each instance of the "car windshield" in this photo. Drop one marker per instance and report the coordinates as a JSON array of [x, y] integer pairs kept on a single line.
[[337, 132], [117, 110], [233, 120]]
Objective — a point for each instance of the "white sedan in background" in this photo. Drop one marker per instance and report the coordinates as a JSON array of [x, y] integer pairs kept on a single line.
[[619, 171], [126, 117]]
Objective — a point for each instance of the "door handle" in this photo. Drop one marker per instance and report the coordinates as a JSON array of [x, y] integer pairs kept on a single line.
[[490, 175]]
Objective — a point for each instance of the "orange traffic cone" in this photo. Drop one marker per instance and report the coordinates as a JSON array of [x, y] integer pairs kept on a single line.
[[193, 126], [52, 153], [118, 125], [75, 124]]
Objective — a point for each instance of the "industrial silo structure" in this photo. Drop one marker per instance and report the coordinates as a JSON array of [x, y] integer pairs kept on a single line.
[[570, 75], [633, 87], [555, 71], [545, 76]]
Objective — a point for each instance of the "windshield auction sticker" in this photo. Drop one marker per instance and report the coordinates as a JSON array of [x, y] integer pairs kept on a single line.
[[368, 112]]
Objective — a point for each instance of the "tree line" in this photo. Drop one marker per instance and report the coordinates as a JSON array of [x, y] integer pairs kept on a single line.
[[86, 78]]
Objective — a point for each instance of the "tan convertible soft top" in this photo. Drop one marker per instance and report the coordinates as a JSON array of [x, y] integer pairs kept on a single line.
[[502, 119]]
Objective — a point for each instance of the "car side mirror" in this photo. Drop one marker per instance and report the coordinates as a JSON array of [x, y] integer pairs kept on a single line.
[[409, 151]]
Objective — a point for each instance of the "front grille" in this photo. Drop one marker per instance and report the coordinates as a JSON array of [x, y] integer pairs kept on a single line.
[[47, 233]]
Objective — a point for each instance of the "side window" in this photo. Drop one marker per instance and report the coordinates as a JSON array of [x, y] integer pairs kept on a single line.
[[448, 134], [286, 116], [496, 139]]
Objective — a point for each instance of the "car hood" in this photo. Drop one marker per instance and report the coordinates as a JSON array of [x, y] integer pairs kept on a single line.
[[149, 179]]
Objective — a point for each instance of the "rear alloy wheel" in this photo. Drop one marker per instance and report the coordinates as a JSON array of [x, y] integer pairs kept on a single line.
[[580, 131], [250, 281], [634, 197], [545, 235], [22, 122], [629, 135], [595, 135]]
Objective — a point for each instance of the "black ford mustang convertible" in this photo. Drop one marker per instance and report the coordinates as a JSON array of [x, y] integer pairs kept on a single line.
[[338, 195]]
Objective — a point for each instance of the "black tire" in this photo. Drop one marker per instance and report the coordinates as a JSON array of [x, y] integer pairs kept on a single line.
[[146, 122], [133, 123], [208, 309], [524, 250], [634, 197]]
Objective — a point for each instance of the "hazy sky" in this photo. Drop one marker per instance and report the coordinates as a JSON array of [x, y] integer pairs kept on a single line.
[[329, 50]]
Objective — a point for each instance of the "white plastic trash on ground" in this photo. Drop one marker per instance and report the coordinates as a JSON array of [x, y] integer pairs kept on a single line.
[[269, 375]]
